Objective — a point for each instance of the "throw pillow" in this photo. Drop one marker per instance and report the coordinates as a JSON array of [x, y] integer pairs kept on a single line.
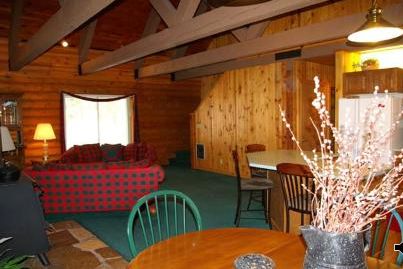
[[112, 153], [89, 153], [69, 156], [141, 151], [129, 152]]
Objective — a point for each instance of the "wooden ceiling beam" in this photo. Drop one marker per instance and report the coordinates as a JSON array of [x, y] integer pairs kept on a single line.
[[314, 33], [86, 36], [250, 32], [151, 27], [186, 10], [166, 10], [68, 18], [216, 21], [309, 52], [262, 59], [15, 28]]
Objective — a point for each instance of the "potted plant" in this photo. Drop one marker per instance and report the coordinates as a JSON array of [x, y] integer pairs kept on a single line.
[[10, 262], [348, 197], [370, 64]]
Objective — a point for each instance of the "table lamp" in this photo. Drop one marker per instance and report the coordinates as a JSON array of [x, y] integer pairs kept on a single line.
[[8, 171], [44, 131]]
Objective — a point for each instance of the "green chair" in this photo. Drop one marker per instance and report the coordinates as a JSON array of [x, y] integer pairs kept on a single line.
[[379, 244], [160, 215]]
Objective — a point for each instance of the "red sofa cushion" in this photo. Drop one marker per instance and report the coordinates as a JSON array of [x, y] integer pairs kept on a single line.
[[89, 153], [130, 152], [112, 153], [69, 156]]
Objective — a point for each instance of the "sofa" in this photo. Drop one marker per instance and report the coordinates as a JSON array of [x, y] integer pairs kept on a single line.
[[91, 178]]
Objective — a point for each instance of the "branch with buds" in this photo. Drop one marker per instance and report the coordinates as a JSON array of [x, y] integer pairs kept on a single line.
[[348, 192]]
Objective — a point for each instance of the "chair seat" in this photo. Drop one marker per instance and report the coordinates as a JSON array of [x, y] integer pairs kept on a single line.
[[256, 184]]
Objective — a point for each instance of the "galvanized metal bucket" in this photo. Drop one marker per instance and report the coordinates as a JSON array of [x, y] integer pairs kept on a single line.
[[335, 250]]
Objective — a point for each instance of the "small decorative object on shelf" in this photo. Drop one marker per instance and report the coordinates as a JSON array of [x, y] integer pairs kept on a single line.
[[254, 261], [348, 197], [370, 64], [356, 66]]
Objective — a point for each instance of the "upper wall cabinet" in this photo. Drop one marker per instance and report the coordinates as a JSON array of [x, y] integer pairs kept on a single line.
[[390, 79]]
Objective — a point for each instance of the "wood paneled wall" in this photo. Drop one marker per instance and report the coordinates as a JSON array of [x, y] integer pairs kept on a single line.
[[242, 107], [163, 105]]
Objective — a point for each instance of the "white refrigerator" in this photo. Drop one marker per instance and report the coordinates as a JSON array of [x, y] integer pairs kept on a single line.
[[352, 112]]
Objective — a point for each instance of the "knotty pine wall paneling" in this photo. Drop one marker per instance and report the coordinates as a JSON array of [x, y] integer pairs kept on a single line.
[[163, 106], [242, 107]]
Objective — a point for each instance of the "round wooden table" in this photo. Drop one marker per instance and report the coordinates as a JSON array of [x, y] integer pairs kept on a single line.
[[218, 248]]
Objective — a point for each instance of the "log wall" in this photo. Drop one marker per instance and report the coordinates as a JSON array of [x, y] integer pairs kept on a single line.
[[163, 105]]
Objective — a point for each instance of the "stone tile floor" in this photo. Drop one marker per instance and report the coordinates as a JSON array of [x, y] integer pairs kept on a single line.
[[74, 247]]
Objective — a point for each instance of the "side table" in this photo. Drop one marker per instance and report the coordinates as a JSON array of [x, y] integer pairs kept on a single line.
[[21, 217]]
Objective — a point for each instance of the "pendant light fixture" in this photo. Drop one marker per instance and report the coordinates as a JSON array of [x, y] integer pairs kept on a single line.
[[375, 31]]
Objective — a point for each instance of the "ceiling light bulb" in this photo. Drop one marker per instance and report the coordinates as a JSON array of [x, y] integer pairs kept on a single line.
[[65, 44]]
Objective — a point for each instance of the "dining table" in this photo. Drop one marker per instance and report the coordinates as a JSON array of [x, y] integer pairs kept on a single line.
[[269, 159], [219, 248]]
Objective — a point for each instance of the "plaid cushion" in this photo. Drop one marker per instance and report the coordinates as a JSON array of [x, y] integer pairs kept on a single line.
[[69, 156], [89, 153], [141, 151], [112, 153], [151, 154], [129, 152], [128, 164], [88, 166]]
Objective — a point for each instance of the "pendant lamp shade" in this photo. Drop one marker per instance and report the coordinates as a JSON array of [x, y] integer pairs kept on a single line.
[[375, 31]]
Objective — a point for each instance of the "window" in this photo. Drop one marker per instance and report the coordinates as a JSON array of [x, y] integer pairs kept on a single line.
[[87, 122]]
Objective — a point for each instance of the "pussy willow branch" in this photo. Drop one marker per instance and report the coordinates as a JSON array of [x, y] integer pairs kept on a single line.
[[350, 197]]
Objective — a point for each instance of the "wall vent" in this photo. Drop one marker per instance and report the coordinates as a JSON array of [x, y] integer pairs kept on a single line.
[[287, 54], [200, 151]]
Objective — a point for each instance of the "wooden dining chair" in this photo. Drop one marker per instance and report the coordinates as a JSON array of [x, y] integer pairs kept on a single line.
[[256, 172], [386, 233], [263, 185], [160, 215], [296, 197]]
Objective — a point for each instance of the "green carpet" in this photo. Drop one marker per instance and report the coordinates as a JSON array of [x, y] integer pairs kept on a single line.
[[214, 194]]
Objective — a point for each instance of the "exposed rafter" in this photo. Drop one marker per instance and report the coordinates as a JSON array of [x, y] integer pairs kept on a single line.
[[151, 27], [15, 27], [68, 18], [166, 10], [306, 52], [250, 32], [210, 23], [85, 41], [297, 37], [185, 11]]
